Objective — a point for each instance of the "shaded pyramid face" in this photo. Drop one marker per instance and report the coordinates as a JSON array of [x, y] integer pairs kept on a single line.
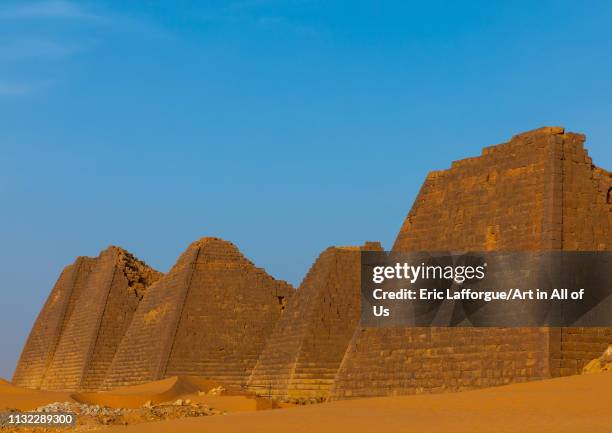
[[80, 326], [540, 191], [209, 316], [304, 352]]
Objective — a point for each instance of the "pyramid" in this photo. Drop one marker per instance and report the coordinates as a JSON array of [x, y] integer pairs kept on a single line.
[[76, 334], [209, 316], [538, 192], [304, 352]]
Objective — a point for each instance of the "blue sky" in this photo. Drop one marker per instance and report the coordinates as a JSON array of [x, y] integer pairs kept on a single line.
[[283, 126]]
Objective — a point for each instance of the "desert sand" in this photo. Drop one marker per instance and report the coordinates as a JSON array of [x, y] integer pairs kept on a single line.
[[565, 405], [173, 388], [191, 388], [570, 404], [27, 399]]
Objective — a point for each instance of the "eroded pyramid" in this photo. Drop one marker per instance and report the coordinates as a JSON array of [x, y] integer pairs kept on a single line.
[[76, 334], [209, 316], [538, 192]]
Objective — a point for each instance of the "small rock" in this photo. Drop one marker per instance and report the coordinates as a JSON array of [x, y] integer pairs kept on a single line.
[[216, 391], [603, 363]]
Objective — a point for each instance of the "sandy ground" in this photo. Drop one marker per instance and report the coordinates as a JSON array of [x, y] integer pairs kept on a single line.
[[579, 404], [27, 399], [171, 389], [166, 390], [159, 391]]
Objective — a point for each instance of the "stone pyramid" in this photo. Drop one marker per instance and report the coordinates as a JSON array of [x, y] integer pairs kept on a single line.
[[209, 316], [304, 352], [538, 192], [76, 334]]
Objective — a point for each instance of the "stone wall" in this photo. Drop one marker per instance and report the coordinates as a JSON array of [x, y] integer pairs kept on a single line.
[[209, 316], [586, 221], [402, 361], [537, 192], [303, 354]]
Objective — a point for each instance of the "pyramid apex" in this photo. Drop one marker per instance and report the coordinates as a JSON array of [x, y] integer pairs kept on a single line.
[[544, 130]]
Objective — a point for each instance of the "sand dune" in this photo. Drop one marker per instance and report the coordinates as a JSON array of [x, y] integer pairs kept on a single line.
[[158, 391], [171, 389], [166, 390], [566, 405], [13, 397]]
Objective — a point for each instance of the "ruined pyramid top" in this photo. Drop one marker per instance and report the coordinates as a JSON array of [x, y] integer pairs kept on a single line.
[[538, 191]]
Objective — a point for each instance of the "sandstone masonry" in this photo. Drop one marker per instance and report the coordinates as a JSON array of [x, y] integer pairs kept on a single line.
[[209, 316], [538, 192]]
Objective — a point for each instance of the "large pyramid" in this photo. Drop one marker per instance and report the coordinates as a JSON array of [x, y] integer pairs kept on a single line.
[[540, 191], [304, 352], [76, 334], [209, 316]]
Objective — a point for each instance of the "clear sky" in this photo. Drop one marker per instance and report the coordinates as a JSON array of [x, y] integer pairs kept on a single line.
[[283, 126]]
